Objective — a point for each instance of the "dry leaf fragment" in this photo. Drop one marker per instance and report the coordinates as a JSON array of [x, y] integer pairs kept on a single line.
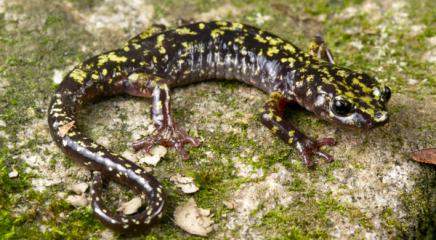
[[427, 155], [185, 183], [131, 206], [192, 219], [77, 200], [79, 188], [63, 130]]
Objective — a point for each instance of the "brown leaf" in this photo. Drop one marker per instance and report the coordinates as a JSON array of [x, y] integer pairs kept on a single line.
[[425, 156]]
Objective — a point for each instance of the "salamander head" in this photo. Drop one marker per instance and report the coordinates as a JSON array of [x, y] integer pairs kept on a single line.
[[346, 97]]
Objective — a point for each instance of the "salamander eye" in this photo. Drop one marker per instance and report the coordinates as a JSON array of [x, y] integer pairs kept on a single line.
[[386, 94], [341, 106]]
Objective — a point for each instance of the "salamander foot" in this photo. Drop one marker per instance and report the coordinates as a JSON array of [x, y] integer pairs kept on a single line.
[[308, 148], [168, 137]]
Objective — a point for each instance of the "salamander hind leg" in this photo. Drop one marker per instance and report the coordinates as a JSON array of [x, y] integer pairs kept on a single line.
[[167, 133], [272, 117], [319, 49]]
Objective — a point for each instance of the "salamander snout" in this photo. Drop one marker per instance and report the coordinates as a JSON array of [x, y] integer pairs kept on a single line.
[[380, 118]]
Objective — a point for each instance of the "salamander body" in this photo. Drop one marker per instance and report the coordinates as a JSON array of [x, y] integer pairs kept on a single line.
[[155, 61]]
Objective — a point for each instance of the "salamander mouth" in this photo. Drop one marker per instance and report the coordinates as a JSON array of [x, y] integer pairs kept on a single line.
[[358, 121]]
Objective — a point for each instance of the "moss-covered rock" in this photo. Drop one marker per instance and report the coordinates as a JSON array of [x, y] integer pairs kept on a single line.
[[254, 184]]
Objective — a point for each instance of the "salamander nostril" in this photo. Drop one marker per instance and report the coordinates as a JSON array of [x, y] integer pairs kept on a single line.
[[381, 116]]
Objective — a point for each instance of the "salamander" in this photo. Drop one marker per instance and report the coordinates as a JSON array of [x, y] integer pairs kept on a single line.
[[159, 59]]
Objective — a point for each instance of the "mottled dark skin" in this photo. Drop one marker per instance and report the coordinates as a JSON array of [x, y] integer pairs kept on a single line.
[[157, 60]]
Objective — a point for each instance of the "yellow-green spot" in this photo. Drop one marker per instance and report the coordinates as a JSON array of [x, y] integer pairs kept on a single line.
[[274, 129], [289, 47], [221, 23], [369, 111], [104, 72], [78, 75], [159, 43], [136, 46], [237, 26], [366, 99], [102, 59], [260, 38], [349, 94], [185, 31], [272, 50], [216, 33], [201, 26], [274, 41], [148, 32], [94, 76], [342, 73], [290, 60], [240, 40]]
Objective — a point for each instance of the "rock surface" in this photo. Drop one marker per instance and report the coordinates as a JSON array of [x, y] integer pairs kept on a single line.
[[254, 185]]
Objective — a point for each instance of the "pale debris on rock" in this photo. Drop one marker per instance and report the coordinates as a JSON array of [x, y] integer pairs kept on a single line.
[[131, 206], [192, 219], [2, 6], [268, 193], [115, 15], [77, 200], [217, 13], [107, 235], [185, 183], [13, 174], [246, 170], [260, 19], [155, 155], [79, 188], [57, 76], [231, 204]]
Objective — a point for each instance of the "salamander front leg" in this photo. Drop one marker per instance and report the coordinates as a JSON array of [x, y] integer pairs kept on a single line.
[[272, 117], [167, 133], [319, 49]]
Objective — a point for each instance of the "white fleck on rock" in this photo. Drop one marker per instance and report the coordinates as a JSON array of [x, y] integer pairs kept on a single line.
[[129, 154], [357, 44], [185, 183], [61, 194], [79, 188], [2, 123], [159, 151], [156, 154], [118, 15], [57, 76], [107, 235], [77, 200], [416, 29], [13, 174], [261, 19], [430, 56], [131, 206], [192, 219], [231, 204], [432, 41], [412, 81], [223, 11], [247, 170], [2, 6]]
